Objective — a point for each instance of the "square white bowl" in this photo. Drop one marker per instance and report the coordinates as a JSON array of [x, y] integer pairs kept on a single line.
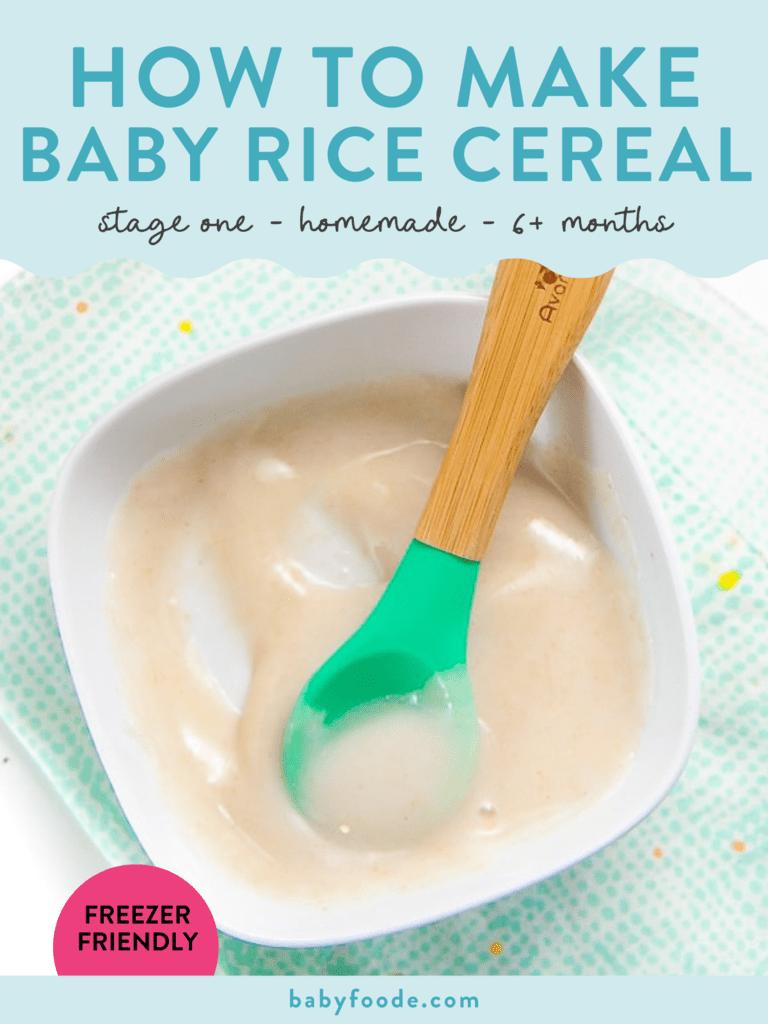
[[436, 334]]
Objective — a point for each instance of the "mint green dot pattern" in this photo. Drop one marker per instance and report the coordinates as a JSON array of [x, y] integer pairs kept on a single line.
[[686, 891]]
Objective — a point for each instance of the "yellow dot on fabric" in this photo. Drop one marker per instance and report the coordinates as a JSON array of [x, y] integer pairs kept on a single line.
[[729, 580], [186, 327], [658, 852], [496, 948], [738, 846], [82, 307]]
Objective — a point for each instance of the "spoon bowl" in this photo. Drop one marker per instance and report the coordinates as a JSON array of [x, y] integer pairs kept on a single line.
[[409, 654]]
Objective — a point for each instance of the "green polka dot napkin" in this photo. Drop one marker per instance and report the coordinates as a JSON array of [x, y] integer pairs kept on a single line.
[[686, 891]]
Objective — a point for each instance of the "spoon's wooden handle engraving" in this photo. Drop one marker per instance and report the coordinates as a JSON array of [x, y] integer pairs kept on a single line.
[[534, 321]]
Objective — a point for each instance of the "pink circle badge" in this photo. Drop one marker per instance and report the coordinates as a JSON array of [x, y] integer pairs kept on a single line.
[[135, 919]]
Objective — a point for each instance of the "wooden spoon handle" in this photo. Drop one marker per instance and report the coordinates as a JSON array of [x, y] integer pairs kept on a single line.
[[534, 321]]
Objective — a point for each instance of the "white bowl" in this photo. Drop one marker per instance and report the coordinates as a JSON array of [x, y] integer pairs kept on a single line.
[[434, 334]]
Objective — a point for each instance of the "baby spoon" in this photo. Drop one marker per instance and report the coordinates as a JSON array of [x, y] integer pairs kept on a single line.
[[411, 651]]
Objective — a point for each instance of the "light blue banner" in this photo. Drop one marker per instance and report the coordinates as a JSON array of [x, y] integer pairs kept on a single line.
[[188, 135], [300, 999]]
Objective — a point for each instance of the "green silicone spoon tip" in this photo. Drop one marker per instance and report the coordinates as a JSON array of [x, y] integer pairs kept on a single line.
[[416, 633]]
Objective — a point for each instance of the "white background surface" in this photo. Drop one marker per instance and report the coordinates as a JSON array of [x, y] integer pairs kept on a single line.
[[45, 855]]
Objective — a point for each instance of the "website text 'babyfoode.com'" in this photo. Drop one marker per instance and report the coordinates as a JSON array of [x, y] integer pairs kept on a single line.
[[357, 999]]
